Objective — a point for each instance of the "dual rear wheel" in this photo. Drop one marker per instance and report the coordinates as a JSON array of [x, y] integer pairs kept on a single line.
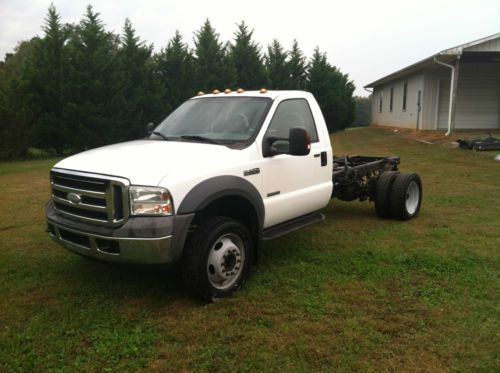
[[398, 195]]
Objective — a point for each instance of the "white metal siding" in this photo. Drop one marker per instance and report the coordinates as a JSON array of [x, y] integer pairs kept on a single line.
[[432, 91], [444, 103], [477, 104], [477, 101], [397, 117]]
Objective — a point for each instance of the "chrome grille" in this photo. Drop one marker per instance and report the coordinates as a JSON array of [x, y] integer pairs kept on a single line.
[[99, 199]]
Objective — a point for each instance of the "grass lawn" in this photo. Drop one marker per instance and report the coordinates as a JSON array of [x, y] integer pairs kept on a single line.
[[354, 293]]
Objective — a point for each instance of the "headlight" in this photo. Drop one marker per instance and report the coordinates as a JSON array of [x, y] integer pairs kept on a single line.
[[150, 201]]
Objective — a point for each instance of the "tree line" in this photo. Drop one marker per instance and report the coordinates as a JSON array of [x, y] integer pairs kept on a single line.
[[362, 115], [79, 86]]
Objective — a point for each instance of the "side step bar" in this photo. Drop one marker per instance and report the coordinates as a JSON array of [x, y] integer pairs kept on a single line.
[[292, 225]]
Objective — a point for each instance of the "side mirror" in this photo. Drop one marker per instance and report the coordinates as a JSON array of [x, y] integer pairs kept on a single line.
[[300, 141], [150, 127]]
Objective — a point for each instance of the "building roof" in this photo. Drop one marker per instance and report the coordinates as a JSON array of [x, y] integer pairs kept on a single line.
[[487, 44]]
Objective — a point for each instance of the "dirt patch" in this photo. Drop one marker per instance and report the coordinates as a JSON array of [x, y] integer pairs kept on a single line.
[[438, 136]]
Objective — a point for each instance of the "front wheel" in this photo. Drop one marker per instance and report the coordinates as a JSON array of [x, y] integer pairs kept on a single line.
[[217, 258]]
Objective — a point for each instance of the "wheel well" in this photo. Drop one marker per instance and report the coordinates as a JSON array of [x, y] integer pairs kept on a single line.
[[235, 207]]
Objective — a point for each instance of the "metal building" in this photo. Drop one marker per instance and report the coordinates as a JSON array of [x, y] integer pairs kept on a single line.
[[457, 88]]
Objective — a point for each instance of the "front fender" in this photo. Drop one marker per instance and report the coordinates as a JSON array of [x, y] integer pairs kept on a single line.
[[214, 188]]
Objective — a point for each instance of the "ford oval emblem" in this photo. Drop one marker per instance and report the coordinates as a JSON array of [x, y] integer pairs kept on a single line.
[[73, 197]]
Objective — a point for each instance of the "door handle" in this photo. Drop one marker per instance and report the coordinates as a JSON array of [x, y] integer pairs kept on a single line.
[[324, 159]]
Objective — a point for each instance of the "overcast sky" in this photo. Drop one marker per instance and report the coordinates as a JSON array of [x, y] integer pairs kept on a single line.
[[366, 39]]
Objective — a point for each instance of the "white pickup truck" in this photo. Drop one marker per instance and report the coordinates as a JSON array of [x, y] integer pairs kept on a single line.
[[220, 174]]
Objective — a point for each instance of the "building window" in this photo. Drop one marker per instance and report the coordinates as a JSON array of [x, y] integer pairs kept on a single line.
[[405, 86], [380, 101], [390, 101]]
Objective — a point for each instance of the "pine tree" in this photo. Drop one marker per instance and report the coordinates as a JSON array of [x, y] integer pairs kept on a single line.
[[362, 113], [93, 54], [245, 56], [135, 95], [211, 63], [16, 104], [175, 69], [296, 66], [230, 73], [276, 66], [80, 86], [333, 91], [318, 74], [48, 83]]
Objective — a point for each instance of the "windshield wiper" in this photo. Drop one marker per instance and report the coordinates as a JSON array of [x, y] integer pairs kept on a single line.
[[200, 138], [161, 135]]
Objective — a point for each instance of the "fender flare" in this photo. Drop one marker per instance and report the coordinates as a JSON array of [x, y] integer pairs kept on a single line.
[[214, 188]]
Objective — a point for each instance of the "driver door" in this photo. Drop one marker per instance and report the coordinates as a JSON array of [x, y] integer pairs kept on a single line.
[[289, 182]]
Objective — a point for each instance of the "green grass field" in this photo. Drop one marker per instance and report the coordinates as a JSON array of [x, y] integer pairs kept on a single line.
[[354, 293]]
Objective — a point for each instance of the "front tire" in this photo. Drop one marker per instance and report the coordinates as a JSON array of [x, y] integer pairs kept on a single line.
[[217, 258]]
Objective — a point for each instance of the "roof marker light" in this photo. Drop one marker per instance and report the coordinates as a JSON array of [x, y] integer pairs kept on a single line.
[[240, 90], [263, 90], [200, 93], [215, 91], [227, 90]]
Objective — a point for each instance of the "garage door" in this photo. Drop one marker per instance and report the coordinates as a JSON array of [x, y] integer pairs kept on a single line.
[[477, 104]]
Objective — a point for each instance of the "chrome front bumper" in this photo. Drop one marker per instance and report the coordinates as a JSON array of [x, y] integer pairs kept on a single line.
[[141, 240], [112, 249]]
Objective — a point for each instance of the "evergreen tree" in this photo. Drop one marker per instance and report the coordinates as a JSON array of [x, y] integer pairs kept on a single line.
[[230, 72], [16, 114], [135, 95], [318, 74], [297, 67], [80, 86], [276, 66], [245, 56], [175, 69], [333, 91], [93, 54], [48, 83], [211, 62], [363, 111]]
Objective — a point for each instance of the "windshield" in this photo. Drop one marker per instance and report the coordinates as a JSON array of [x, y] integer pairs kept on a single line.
[[215, 119]]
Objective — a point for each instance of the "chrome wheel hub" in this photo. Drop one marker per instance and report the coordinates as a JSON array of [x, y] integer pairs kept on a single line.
[[412, 198], [225, 261]]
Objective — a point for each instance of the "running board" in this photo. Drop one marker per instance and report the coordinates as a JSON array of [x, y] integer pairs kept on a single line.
[[292, 226]]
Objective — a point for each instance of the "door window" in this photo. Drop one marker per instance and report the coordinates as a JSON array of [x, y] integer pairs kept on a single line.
[[289, 114]]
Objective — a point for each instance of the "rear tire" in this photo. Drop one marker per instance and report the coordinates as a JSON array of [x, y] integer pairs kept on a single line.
[[406, 196], [217, 258], [382, 194]]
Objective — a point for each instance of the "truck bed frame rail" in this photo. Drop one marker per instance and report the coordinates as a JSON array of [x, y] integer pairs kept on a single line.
[[354, 177]]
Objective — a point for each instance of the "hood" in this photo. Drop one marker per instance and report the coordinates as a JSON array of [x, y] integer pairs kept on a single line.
[[147, 162]]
